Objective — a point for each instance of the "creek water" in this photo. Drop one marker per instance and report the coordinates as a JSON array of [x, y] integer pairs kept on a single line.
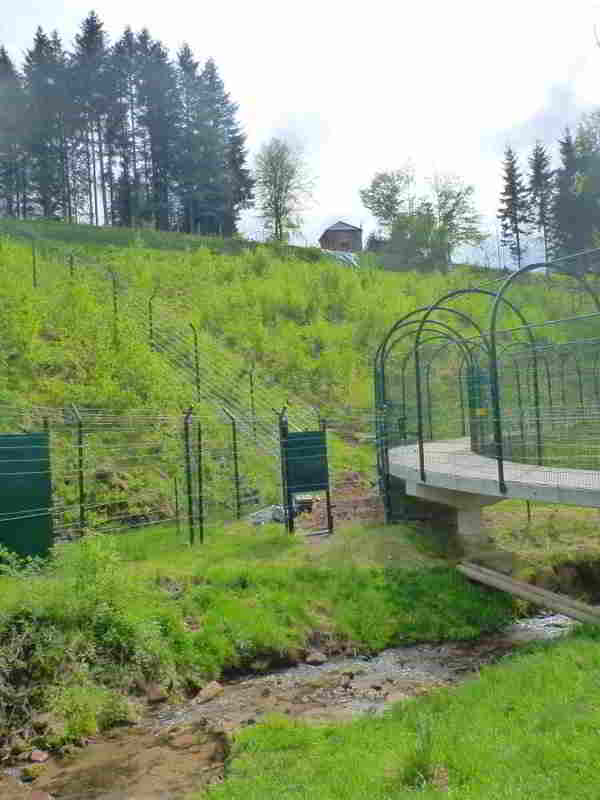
[[179, 748]]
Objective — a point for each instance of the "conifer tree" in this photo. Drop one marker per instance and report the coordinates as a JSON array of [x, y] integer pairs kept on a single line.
[[587, 183], [12, 157], [514, 207], [92, 98], [567, 230], [120, 135], [540, 194], [159, 115], [42, 136]]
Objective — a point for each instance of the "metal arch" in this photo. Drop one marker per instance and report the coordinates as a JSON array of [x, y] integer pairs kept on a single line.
[[493, 374], [380, 390], [383, 355], [461, 344], [382, 451], [555, 266]]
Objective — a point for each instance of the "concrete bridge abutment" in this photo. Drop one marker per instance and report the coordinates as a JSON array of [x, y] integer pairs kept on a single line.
[[458, 516]]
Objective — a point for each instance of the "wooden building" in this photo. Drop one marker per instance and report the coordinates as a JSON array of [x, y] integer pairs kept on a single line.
[[342, 236]]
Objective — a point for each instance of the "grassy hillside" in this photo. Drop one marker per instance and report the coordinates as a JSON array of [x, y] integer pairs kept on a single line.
[[311, 328]]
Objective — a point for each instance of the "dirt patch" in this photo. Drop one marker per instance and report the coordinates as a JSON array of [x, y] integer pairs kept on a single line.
[[352, 498], [140, 764]]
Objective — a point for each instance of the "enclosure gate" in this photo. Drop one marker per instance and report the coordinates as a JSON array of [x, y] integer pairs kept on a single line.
[[304, 468]]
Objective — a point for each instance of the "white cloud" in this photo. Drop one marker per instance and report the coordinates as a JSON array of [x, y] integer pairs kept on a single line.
[[367, 86]]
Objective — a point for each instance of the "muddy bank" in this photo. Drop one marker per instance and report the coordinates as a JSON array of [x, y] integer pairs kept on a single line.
[[179, 749]]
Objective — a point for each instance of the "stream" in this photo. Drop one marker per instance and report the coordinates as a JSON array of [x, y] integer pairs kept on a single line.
[[180, 748]]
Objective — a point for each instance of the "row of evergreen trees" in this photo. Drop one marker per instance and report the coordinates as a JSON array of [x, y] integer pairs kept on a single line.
[[560, 207], [120, 135]]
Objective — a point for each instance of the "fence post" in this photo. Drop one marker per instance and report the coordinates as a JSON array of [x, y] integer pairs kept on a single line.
[[71, 265], [151, 318], [113, 276], [252, 405], [34, 263], [236, 472], [177, 520], [80, 466], [200, 486], [286, 499], [196, 360], [188, 472], [323, 426]]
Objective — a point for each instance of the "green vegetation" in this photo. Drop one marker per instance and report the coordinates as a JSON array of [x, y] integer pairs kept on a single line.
[[525, 728], [310, 328], [109, 614]]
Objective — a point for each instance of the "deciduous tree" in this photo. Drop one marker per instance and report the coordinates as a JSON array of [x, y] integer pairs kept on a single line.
[[282, 186]]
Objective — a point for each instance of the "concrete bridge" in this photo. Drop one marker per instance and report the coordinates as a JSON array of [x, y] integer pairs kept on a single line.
[[462, 482]]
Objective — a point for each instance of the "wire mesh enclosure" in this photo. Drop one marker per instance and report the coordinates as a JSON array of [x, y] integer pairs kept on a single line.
[[489, 373]]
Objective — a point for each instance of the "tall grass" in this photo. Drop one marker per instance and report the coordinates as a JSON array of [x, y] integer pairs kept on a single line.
[[526, 727]]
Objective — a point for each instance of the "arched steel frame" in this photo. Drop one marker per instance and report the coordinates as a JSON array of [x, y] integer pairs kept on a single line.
[[423, 322]]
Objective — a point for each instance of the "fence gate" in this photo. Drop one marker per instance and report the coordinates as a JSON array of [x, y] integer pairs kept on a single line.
[[25, 493], [304, 468]]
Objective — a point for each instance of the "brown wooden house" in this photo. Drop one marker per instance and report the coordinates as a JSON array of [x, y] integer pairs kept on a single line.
[[342, 236]]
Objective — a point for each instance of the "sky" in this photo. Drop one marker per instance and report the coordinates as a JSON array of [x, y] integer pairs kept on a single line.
[[366, 87]]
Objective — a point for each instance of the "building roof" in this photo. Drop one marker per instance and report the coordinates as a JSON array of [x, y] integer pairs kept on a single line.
[[342, 226]]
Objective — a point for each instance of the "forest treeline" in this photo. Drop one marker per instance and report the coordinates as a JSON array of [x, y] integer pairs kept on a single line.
[[120, 134], [559, 206]]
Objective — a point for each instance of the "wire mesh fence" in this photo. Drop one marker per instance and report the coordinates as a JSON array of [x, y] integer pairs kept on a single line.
[[104, 472], [516, 409]]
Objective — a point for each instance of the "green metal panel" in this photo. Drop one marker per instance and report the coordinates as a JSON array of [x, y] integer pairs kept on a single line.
[[306, 461], [25, 493]]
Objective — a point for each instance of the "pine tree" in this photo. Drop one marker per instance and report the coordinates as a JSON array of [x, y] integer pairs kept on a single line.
[[541, 193], [43, 137], [567, 229], [12, 158], [190, 147], [514, 207], [587, 182], [227, 181], [124, 130], [90, 66], [159, 114]]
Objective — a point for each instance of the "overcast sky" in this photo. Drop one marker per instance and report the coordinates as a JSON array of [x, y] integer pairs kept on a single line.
[[367, 86]]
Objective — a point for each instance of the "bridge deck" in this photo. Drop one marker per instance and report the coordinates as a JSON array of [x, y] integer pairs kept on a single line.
[[451, 464]]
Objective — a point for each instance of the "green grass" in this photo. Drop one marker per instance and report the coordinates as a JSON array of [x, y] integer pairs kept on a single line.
[[527, 727], [555, 534], [109, 612]]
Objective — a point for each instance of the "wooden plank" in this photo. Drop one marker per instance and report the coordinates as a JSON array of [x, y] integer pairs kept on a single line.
[[541, 597]]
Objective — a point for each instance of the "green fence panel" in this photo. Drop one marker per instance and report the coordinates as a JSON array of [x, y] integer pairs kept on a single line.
[[306, 461], [25, 493]]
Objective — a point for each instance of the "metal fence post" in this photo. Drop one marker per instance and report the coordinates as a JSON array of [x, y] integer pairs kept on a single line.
[[236, 472], [113, 276], [188, 472], [71, 265], [252, 404], [151, 318], [196, 360], [200, 486], [34, 263], [286, 500], [323, 427], [80, 467], [177, 520]]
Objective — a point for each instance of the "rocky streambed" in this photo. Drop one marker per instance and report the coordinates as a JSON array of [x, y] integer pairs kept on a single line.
[[178, 749]]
